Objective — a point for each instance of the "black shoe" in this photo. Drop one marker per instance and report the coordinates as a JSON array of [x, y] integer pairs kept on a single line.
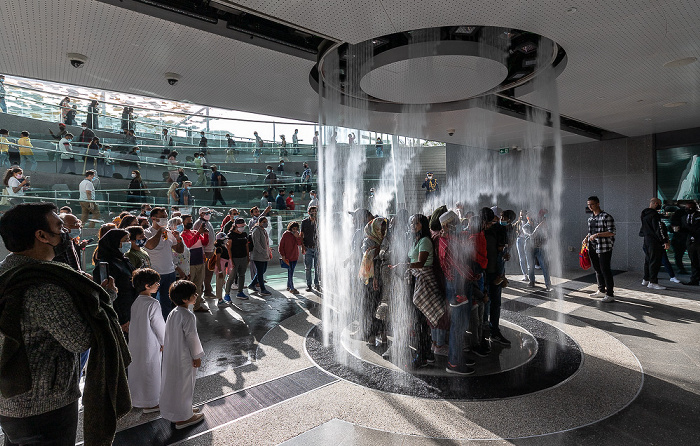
[[318, 287], [498, 338], [309, 289], [692, 283], [463, 370], [430, 358], [481, 350]]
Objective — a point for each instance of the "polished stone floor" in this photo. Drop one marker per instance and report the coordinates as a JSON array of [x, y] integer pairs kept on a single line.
[[637, 383]]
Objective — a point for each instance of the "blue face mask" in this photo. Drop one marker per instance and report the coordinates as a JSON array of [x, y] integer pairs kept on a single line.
[[75, 233], [504, 223], [180, 228], [141, 243], [148, 213]]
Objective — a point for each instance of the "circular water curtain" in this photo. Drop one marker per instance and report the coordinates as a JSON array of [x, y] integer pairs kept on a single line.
[[464, 62]]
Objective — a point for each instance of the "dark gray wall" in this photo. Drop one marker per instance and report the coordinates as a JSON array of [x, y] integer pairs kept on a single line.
[[620, 172]]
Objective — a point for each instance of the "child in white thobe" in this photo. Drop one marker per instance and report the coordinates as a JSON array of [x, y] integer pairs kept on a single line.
[[182, 353], [146, 337]]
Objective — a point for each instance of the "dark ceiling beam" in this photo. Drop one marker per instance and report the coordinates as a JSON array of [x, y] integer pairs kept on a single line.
[[209, 23]]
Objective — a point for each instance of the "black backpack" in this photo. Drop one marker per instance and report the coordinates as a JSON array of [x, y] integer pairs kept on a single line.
[[223, 180]]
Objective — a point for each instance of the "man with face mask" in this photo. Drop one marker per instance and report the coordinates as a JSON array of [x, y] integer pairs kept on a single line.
[[67, 157], [314, 199], [655, 241], [86, 135], [217, 181], [204, 217], [87, 199], [239, 254], [160, 243], [48, 310], [71, 247]]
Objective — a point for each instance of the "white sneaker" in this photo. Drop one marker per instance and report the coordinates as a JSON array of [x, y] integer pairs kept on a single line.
[[674, 280], [645, 282], [525, 279], [656, 286], [608, 299], [597, 294]]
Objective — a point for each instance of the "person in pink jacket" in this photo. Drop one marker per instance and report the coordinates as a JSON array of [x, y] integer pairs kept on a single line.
[[289, 253]]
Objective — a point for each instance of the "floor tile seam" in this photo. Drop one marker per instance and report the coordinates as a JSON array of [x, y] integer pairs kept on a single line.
[[253, 413], [225, 395]]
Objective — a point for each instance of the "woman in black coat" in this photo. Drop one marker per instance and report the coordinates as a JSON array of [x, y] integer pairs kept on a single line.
[[109, 251], [93, 112]]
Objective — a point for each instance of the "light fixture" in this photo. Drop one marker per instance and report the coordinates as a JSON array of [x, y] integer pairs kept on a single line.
[[572, 10], [465, 30], [680, 62], [526, 47], [675, 104]]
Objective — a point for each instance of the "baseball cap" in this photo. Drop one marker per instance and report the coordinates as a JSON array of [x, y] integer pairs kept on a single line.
[[204, 210]]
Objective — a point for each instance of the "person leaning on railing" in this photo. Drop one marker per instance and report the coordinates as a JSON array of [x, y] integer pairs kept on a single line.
[[4, 148]]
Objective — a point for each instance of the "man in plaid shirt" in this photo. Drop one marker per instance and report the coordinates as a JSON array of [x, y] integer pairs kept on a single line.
[[600, 239]]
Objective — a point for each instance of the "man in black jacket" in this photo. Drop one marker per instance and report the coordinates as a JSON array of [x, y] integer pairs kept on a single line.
[[655, 241], [692, 222]]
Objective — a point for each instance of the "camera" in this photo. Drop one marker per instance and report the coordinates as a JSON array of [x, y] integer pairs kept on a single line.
[[77, 60], [450, 132], [172, 78]]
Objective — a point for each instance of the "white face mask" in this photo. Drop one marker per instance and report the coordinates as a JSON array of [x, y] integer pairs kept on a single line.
[[162, 222], [240, 228], [126, 246], [133, 175]]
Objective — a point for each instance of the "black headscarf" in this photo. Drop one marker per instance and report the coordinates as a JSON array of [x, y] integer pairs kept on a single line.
[[109, 245]]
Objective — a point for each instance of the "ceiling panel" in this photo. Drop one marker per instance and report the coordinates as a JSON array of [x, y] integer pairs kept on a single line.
[[614, 79]]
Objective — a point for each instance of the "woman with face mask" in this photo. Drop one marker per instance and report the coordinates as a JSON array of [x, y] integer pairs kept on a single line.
[[137, 188], [110, 249], [15, 184], [261, 254]]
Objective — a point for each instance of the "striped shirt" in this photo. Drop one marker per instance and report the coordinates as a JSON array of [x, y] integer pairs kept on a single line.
[[602, 222]]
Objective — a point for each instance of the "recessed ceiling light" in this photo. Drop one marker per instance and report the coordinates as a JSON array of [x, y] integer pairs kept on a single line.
[[647, 119], [572, 10], [680, 62], [674, 104]]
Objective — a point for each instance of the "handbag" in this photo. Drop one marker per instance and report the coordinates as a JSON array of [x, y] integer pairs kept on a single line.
[[584, 258], [211, 263]]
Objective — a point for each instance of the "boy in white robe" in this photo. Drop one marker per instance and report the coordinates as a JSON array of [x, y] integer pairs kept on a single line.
[[182, 353], [146, 337]]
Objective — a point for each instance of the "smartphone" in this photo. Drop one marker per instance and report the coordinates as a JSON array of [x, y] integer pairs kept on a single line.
[[104, 271]]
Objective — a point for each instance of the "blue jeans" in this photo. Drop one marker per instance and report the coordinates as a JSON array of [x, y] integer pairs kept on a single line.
[[290, 272], [459, 322], [163, 294], [4, 159], [521, 243], [27, 162], [3, 106], [260, 268], [311, 261], [55, 428], [538, 253]]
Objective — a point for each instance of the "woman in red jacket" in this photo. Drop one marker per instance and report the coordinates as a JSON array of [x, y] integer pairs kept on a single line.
[[289, 253]]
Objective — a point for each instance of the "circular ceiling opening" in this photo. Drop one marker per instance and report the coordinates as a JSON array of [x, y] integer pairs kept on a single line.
[[434, 79]]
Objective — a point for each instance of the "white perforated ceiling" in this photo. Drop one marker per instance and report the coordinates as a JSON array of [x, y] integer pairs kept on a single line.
[[615, 77], [433, 79]]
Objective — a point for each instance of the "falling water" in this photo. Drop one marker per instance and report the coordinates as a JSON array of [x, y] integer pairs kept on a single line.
[[524, 179]]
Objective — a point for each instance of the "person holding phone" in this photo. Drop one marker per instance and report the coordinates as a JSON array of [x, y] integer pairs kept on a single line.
[[160, 244], [113, 263]]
